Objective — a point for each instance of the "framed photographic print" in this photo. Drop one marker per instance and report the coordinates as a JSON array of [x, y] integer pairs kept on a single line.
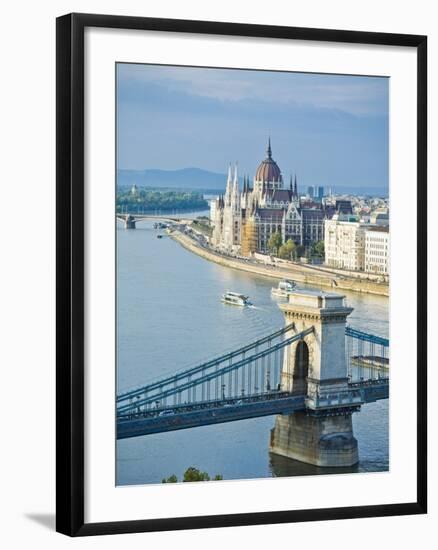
[[241, 274]]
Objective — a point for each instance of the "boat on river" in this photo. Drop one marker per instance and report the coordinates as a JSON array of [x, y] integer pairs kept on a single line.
[[235, 299], [284, 288]]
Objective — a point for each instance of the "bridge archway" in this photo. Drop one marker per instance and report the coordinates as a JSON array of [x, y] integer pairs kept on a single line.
[[301, 369]]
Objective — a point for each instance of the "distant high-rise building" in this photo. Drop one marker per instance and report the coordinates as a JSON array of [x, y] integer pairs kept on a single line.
[[315, 192]]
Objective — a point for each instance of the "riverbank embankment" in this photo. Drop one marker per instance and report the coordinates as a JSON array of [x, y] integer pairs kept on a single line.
[[299, 273]]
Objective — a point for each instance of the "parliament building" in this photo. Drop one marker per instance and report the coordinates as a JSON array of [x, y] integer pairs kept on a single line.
[[244, 220]]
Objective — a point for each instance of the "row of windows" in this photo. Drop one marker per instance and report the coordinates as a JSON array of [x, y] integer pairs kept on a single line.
[[377, 253], [376, 268], [370, 261], [376, 246]]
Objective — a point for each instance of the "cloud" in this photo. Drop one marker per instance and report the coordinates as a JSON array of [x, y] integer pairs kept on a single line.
[[359, 96]]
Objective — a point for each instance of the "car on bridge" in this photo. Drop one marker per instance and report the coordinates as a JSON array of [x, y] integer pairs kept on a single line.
[[166, 413]]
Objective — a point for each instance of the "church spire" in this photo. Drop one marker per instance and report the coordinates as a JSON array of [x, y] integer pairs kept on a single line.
[[269, 150], [236, 181], [295, 187], [229, 183], [229, 174]]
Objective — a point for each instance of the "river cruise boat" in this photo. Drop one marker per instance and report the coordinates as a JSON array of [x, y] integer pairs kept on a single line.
[[284, 288], [235, 299]]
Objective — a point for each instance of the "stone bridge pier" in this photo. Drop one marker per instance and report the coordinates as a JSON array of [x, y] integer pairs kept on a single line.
[[315, 366], [129, 222]]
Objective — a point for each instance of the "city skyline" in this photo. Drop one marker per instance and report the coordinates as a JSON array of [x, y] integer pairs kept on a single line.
[[331, 130]]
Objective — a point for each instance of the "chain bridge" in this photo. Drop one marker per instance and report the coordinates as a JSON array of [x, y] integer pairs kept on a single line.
[[249, 382], [312, 374]]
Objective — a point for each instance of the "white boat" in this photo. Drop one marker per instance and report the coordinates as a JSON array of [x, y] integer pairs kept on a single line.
[[235, 299], [284, 288]]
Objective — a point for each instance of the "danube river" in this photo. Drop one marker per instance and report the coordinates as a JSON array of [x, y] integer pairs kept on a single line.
[[170, 316]]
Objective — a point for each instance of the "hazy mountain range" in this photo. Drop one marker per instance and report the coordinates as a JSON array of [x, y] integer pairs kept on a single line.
[[185, 178], [199, 179]]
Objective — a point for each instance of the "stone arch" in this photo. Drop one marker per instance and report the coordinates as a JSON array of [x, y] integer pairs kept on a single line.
[[301, 369]]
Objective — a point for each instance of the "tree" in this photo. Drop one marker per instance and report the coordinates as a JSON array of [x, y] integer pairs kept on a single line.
[[192, 474], [150, 200], [282, 252], [287, 250], [318, 249], [171, 479], [274, 242], [300, 251]]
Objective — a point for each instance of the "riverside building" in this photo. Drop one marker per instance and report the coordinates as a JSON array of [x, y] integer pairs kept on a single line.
[[245, 220], [344, 244], [377, 250], [356, 246]]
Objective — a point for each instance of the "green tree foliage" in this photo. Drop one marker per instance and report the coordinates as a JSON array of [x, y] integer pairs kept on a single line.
[[287, 250], [144, 200], [318, 249], [202, 223], [274, 242], [282, 252], [171, 479], [192, 474], [300, 251]]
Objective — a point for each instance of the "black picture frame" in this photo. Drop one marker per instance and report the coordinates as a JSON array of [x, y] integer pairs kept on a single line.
[[70, 272]]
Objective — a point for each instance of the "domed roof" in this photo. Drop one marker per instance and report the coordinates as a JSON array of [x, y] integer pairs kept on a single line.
[[268, 169]]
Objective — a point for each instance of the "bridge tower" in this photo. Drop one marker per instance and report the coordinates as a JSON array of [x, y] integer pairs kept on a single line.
[[315, 367]]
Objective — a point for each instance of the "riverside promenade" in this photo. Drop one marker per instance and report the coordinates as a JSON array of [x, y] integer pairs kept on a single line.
[[310, 275]]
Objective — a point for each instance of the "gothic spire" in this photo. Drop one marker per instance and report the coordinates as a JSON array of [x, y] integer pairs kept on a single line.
[[269, 150], [236, 181], [229, 183]]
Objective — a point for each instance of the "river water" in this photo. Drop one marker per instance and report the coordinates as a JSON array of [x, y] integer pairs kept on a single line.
[[169, 317]]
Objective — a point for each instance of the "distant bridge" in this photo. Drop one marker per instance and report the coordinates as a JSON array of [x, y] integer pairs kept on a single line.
[[130, 220]]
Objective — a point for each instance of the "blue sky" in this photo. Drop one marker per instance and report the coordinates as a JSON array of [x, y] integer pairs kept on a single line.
[[329, 129]]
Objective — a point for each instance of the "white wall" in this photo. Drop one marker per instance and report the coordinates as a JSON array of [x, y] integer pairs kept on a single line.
[[27, 288]]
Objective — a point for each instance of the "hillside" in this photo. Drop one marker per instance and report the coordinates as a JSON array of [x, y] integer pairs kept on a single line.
[[186, 178]]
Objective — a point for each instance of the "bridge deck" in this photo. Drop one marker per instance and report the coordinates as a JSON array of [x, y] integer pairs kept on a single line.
[[215, 412], [206, 416]]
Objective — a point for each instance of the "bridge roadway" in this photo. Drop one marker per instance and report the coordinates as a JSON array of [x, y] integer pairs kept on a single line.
[[202, 413], [162, 217]]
